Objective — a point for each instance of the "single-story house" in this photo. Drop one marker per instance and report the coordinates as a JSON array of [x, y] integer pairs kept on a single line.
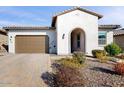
[[3, 41], [75, 29], [119, 37]]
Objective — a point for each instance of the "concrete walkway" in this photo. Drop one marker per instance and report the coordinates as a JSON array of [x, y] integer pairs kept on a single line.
[[23, 70]]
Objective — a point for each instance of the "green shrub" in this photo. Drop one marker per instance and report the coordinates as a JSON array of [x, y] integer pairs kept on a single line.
[[94, 52], [68, 77], [79, 57], [112, 49]]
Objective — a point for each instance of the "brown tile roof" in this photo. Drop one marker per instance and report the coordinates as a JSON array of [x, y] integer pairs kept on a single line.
[[2, 31], [69, 10], [118, 32], [101, 27], [110, 26], [28, 28]]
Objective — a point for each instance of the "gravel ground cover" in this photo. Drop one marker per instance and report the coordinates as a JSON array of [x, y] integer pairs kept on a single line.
[[98, 74]]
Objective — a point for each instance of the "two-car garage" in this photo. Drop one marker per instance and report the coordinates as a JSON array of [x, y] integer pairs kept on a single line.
[[32, 39], [31, 44]]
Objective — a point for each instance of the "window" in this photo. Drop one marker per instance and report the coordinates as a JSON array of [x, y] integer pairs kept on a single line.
[[102, 38], [78, 41]]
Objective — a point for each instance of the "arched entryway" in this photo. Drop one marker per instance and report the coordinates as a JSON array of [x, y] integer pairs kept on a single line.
[[77, 40]]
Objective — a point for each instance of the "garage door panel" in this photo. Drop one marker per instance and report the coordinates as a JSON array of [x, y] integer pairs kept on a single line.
[[32, 44]]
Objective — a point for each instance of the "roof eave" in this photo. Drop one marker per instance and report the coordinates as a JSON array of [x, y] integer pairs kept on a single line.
[[81, 9], [27, 28], [2, 31], [109, 26]]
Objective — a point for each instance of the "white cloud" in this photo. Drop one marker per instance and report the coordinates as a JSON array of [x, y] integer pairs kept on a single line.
[[11, 23], [114, 15], [40, 19], [22, 14], [4, 22]]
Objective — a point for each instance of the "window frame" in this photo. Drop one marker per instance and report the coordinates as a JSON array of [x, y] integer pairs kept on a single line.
[[78, 40], [103, 40]]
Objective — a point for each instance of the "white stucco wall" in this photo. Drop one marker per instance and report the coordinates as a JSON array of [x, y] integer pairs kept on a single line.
[[65, 24], [76, 19], [50, 33], [109, 39]]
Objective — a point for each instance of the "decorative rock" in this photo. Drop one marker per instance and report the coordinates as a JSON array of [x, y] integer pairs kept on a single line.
[[98, 74]]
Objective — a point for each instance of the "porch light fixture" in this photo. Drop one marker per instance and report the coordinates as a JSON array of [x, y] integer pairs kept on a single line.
[[63, 36], [11, 39]]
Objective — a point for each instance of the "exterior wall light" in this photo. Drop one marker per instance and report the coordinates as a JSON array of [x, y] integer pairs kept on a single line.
[[63, 36], [11, 39]]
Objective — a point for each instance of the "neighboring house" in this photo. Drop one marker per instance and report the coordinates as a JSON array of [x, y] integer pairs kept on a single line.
[[105, 34], [119, 37], [3, 41], [72, 30]]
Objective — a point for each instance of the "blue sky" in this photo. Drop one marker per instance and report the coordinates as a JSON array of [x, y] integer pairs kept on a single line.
[[42, 15]]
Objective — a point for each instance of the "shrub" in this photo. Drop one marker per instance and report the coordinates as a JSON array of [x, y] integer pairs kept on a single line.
[[68, 74], [70, 62], [75, 62], [79, 57], [119, 68], [102, 58], [68, 77], [98, 51], [112, 49]]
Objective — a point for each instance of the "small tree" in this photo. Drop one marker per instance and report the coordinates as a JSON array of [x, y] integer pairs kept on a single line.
[[112, 49]]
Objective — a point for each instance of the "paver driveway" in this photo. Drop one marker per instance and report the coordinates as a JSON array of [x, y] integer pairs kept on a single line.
[[23, 69]]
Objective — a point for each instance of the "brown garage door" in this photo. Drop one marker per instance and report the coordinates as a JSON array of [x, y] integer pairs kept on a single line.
[[31, 44]]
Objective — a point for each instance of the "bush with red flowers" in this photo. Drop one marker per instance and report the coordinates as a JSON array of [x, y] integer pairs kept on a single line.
[[119, 68]]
